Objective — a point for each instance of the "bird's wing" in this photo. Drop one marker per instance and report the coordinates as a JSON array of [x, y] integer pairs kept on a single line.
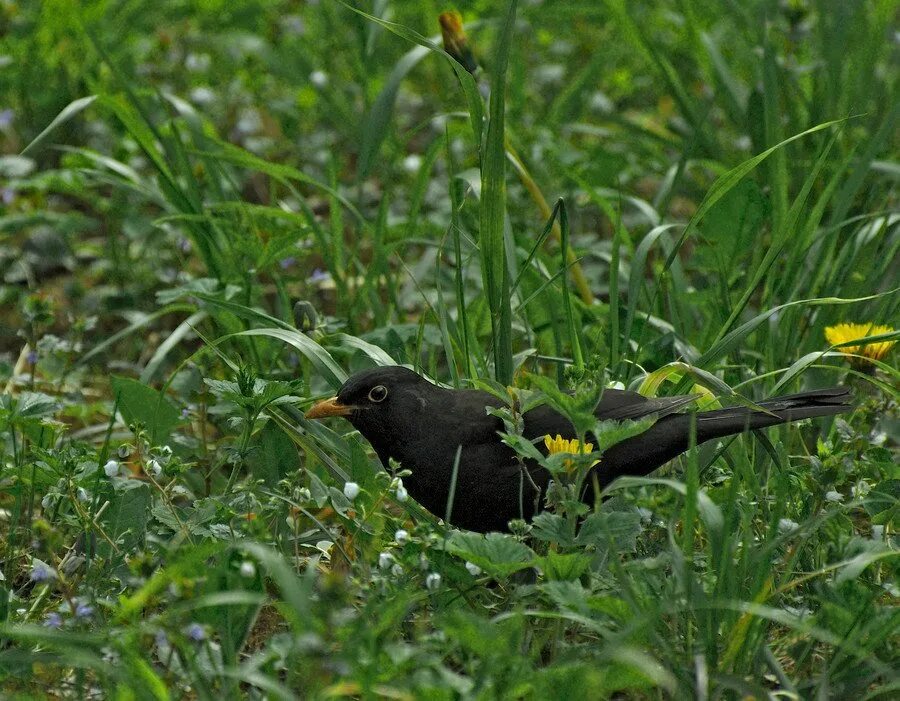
[[618, 405], [621, 404]]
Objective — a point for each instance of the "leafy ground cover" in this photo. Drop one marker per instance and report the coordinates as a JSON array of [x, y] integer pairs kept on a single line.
[[212, 214]]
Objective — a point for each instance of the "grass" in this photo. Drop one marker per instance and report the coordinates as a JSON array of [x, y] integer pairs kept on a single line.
[[723, 181]]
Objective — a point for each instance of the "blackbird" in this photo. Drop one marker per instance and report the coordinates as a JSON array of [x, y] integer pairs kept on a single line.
[[421, 425]]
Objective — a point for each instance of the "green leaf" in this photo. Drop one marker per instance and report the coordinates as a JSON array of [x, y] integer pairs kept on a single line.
[[376, 123], [577, 408], [563, 566], [495, 553], [125, 519], [492, 240], [551, 528], [69, 111], [609, 433], [730, 179], [29, 405], [140, 404], [467, 82], [275, 456], [853, 568], [619, 528]]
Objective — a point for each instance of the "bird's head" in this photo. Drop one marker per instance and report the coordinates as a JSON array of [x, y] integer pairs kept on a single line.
[[381, 403]]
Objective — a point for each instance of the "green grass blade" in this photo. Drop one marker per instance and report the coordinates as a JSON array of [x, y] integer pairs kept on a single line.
[[493, 210]]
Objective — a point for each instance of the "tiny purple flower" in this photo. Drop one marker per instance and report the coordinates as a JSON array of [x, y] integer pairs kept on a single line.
[[196, 632], [288, 262], [7, 195], [40, 572], [53, 620], [161, 639], [32, 357], [184, 245], [185, 413], [84, 611], [318, 275], [6, 119]]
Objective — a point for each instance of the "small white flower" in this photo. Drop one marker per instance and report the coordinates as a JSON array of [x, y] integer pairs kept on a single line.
[[834, 496], [351, 490], [124, 451], [412, 163], [111, 468], [397, 569], [249, 121], [860, 489], [401, 493], [303, 494], [433, 581], [155, 468], [385, 560], [877, 532], [785, 525], [318, 78], [401, 536], [46, 502], [474, 569], [203, 95], [197, 63], [165, 451], [82, 494], [600, 102], [248, 569]]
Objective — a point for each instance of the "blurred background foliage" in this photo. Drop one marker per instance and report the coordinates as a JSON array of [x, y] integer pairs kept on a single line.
[[176, 176]]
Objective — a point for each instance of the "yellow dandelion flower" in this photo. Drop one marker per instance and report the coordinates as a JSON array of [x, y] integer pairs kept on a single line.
[[569, 446], [842, 333]]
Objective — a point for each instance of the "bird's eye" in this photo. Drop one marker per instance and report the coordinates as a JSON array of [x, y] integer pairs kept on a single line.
[[378, 393]]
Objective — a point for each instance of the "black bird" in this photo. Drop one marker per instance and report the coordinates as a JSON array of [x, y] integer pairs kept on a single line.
[[420, 425]]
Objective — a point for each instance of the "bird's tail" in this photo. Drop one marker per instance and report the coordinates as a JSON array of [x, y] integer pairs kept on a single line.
[[791, 407], [670, 436]]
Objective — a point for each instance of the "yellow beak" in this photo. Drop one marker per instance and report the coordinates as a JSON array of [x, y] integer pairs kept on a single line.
[[329, 407]]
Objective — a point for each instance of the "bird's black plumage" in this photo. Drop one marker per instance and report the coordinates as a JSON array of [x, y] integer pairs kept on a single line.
[[421, 426]]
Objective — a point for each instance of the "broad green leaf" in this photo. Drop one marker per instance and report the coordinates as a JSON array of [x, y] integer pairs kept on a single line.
[[125, 519], [140, 404], [495, 553], [563, 566], [619, 528], [275, 456]]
